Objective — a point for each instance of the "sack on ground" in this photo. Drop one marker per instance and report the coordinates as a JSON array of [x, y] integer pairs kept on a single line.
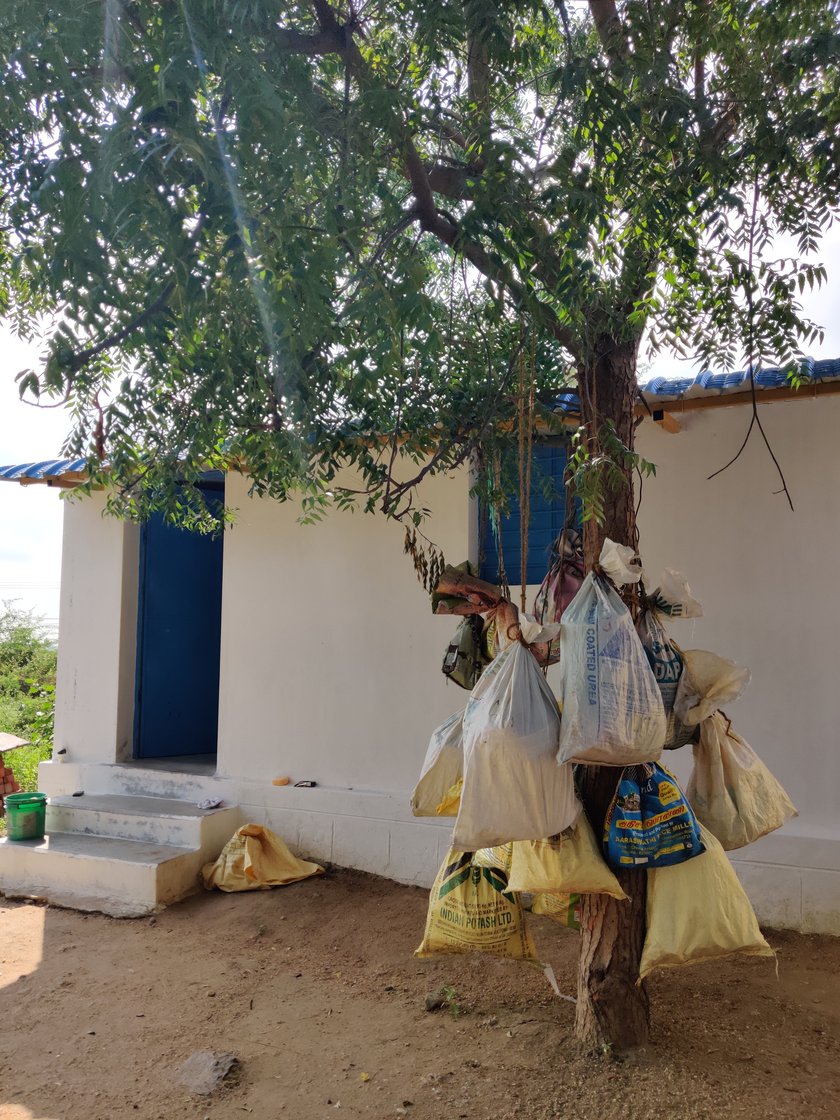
[[698, 911], [471, 910], [731, 790], [570, 863], [254, 859], [708, 682], [667, 666], [612, 709], [442, 767], [650, 823], [513, 788], [561, 908]]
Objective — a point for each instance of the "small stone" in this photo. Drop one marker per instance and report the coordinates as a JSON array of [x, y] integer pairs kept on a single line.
[[210, 995], [434, 1001], [204, 1071], [152, 921]]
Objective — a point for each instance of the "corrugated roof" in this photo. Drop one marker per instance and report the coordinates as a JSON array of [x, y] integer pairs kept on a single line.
[[48, 471], [708, 384]]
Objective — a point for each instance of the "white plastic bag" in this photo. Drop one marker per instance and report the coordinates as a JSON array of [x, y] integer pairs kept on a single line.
[[674, 598], [731, 790], [620, 563], [513, 788], [443, 766], [708, 682], [612, 708]]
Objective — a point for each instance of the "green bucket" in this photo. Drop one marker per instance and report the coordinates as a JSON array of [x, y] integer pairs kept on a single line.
[[25, 815]]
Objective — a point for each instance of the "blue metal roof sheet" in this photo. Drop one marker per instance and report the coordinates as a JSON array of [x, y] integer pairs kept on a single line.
[[43, 471]]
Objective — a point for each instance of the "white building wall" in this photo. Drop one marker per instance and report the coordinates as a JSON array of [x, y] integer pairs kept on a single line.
[[94, 710], [766, 579], [331, 655]]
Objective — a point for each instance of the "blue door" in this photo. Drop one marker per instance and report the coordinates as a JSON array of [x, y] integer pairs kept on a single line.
[[178, 638]]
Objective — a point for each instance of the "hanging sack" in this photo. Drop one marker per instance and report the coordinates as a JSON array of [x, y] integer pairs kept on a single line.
[[698, 911], [471, 910], [612, 708], [254, 859], [561, 908], [708, 682], [673, 597], [466, 656], [666, 664], [498, 857], [562, 582], [650, 823], [513, 788], [442, 767], [570, 863], [731, 790]]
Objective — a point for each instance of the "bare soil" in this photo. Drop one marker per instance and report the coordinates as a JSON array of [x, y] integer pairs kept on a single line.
[[315, 989]]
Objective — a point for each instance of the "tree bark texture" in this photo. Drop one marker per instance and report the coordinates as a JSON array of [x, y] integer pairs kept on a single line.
[[612, 1010]]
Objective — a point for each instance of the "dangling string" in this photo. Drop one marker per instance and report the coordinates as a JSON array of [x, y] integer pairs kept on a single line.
[[527, 401]]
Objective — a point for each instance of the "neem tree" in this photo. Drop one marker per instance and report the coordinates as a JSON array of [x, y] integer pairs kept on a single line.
[[274, 231]]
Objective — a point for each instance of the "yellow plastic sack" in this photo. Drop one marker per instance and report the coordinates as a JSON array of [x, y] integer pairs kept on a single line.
[[731, 790], [561, 908], [451, 800], [570, 863], [254, 859], [698, 911], [443, 767], [471, 911], [498, 857]]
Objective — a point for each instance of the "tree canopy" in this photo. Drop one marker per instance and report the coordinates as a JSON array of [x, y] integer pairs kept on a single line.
[[274, 233]]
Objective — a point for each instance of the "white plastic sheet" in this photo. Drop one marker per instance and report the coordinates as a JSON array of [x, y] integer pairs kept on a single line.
[[612, 707], [620, 563]]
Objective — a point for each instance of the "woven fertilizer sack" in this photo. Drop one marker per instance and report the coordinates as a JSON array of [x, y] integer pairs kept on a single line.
[[254, 859], [570, 863], [650, 823], [471, 910], [612, 708], [698, 911], [513, 788], [561, 908], [731, 790], [443, 766], [667, 666], [708, 682]]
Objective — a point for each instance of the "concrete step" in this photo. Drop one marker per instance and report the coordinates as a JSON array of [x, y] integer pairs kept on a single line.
[[123, 878], [153, 820]]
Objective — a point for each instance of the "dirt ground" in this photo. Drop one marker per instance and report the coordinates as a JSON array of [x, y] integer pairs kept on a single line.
[[315, 989]]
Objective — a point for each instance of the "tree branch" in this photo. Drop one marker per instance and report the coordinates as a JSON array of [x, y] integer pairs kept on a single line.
[[139, 320], [610, 28]]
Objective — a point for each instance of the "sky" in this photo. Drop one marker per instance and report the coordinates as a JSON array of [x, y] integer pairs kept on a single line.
[[31, 516]]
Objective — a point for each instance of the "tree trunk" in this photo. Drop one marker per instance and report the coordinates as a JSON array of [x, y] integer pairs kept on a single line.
[[612, 1010]]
